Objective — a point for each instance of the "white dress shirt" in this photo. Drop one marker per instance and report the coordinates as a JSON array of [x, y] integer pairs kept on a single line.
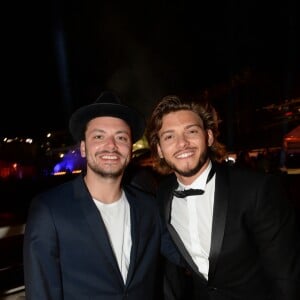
[[192, 219]]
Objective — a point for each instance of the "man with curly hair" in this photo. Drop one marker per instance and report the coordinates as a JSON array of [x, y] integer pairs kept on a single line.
[[234, 227]]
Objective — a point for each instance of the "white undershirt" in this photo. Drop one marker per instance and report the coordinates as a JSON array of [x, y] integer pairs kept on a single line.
[[116, 217], [192, 219]]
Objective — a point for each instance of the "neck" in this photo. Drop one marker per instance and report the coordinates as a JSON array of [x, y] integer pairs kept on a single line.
[[106, 190]]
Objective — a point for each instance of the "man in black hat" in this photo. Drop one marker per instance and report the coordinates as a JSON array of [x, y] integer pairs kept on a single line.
[[92, 238]]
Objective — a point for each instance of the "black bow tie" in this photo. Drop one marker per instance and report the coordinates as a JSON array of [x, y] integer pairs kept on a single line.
[[189, 192], [193, 192]]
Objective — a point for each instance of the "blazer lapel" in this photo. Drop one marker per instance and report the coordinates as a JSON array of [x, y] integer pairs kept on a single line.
[[134, 219], [219, 218], [96, 224]]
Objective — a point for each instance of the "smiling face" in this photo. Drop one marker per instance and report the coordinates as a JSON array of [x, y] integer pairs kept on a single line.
[[107, 146], [183, 144]]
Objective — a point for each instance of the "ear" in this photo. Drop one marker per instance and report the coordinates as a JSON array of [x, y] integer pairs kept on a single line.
[[159, 152], [82, 149], [210, 137]]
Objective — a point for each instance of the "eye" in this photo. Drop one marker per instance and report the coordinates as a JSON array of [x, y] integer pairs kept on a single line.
[[168, 137], [99, 137], [193, 131], [122, 138]]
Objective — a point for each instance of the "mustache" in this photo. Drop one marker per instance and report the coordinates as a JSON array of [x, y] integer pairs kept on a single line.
[[183, 150], [108, 152]]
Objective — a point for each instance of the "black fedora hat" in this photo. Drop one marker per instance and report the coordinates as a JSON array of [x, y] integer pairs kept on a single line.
[[108, 104]]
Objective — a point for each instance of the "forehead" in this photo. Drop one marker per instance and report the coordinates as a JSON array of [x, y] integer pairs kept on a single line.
[[181, 118], [104, 123]]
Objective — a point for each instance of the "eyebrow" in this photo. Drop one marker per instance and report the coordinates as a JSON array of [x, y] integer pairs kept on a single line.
[[98, 130], [193, 125], [165, 132], [185, 128], [123, 131]]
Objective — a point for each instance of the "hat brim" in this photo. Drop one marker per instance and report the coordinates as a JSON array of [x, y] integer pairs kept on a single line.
[[83, 115]]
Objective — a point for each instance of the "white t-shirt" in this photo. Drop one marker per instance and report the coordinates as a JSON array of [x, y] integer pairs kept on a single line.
[[116, 217]]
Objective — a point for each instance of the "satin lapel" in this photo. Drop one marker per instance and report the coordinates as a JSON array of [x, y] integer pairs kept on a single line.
[[219, 217], [182, 248], [96, 224], [177, 240]]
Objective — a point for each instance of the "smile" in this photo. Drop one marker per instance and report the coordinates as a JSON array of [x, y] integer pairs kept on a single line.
[[110, 157], [184, 155]]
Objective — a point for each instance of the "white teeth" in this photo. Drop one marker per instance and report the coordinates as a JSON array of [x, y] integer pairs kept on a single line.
[[109, 157], [184, 155]]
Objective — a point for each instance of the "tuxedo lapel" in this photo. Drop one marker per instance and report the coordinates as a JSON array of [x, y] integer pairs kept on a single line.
[[182, 248], [218, 225], [176, 239], [219, 218]]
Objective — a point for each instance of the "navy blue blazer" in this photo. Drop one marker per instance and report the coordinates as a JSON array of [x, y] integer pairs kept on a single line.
[[254, 250], [67, 253]]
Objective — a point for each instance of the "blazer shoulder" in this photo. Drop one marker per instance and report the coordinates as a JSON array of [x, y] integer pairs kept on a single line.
[[134, 192], [236, 170], [247, 177], [59, 192], [168, 181]]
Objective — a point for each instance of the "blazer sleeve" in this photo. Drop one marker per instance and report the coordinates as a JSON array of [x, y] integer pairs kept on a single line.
[[168, 248], [277, 236], [40, 255]]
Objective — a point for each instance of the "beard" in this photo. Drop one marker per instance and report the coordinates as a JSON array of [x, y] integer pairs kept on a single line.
[[108, 173], [193, 170]]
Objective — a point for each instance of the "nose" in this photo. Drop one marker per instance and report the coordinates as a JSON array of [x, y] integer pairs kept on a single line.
[[111, 142], [182, 140]]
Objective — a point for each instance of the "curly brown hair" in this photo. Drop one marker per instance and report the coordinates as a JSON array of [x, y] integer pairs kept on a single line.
[[172, 103]]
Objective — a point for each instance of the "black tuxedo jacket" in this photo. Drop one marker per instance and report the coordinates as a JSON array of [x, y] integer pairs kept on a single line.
[[68, 255], [254, 240]]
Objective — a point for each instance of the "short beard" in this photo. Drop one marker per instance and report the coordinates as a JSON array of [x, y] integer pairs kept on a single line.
[[191, 172], [107, 174]]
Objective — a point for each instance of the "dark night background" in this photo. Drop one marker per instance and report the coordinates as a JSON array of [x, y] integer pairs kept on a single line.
[[59, 55], [56, 55]]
